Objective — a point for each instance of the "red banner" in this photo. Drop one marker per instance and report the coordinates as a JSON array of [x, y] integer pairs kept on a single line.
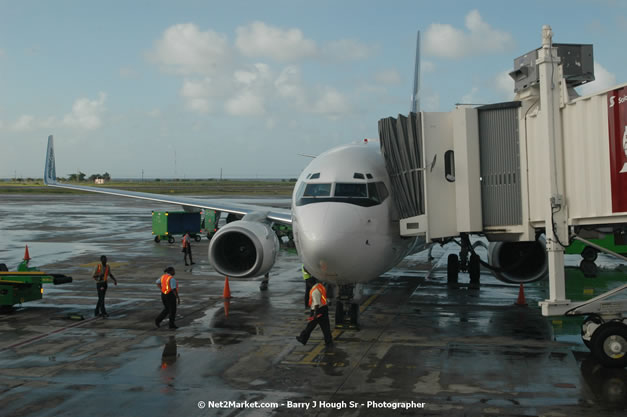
[[617, 115]]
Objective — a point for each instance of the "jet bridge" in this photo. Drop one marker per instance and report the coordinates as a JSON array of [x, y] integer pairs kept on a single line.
[[549, 163]]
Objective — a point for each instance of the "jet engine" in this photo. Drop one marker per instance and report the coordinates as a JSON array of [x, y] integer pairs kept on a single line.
[[244, 249], [519, 262]]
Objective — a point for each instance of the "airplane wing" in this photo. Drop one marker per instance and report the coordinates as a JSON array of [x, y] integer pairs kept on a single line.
[[274, 214]]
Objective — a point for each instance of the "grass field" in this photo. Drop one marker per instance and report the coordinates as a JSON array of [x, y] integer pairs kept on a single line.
[[191, 187]]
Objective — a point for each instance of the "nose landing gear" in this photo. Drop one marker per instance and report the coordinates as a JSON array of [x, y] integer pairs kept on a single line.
[[346, 309]]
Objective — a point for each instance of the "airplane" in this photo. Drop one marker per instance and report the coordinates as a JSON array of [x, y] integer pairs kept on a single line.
[[344, 220]]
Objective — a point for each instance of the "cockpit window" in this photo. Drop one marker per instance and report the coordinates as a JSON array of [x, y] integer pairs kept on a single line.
[[350, 190], [314, 176], [317, 190], [360, 194]]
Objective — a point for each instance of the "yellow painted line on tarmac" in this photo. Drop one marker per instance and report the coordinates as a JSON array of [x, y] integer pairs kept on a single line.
[[371, 299], [309, 357]]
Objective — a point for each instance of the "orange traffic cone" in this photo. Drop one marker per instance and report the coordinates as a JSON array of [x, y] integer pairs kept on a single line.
[[521, 297], [26, 255], [227, 291]]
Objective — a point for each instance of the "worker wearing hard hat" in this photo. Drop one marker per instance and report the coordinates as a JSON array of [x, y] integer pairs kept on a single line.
[[319, 314], [101, 275]]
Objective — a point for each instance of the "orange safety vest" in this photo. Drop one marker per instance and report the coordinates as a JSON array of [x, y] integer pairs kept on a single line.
[[323, 294], [185, 241], [165, 283], [106, 273]]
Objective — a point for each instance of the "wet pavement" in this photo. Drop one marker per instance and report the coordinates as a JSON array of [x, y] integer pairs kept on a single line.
[[423, 349]]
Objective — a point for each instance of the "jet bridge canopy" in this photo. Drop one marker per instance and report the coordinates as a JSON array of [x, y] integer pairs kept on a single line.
[[401, 146]]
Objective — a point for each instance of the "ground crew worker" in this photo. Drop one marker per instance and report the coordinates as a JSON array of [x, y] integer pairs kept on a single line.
[[169, 297], [187, 249], [101, 275], [308, 284], [319, 314]]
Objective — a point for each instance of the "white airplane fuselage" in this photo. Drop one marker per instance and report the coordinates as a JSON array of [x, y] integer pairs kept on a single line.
[[346, 226]]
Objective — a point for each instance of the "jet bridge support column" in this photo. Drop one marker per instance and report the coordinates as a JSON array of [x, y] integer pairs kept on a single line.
[[550, 134]]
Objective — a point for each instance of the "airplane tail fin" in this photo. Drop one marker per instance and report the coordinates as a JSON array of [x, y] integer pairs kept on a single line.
[[50, 172]]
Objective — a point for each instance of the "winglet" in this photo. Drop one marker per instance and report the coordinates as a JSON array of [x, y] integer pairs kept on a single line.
[[50, 172]]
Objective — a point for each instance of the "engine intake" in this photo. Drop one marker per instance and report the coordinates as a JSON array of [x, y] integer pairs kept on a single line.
[[244, 249], [519, 262]]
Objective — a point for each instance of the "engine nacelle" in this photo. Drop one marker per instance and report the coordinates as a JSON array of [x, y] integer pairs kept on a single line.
[[244, 249], [521, 262]]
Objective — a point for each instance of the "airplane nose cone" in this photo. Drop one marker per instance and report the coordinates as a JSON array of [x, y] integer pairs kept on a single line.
[[334, 241]]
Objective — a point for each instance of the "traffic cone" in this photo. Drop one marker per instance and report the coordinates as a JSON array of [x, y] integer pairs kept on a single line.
[[521, 297], [227, 291], [26, 255]]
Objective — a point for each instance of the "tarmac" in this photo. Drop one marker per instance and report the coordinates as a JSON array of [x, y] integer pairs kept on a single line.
[[424, 349]]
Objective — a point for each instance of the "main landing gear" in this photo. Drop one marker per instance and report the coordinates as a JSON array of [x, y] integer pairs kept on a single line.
[[462, 263], [346, 310], [607, 340]]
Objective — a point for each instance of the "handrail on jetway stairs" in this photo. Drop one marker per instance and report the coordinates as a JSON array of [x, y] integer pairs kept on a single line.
[[402, 149]]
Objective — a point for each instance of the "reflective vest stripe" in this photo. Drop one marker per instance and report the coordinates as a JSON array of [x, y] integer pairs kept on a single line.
[[185, 241], [165, 283], [106, 273], [323, 294]]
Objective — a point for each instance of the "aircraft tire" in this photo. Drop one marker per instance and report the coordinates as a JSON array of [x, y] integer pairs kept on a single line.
[[474, 268], [609, 344], [452, 269], [589, 254], [589, 268]]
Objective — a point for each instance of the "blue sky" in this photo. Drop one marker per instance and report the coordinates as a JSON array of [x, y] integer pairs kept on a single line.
[[188, 88]]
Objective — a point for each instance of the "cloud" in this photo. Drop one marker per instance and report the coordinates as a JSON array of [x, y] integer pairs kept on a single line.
[[246, 103], [24, 122], [331, 103], [603, 79], [86, 114], [348, 50], [504, 84], [289, 85], [184, 49], [196, 94], [388, 77], [259, 74], [445, 41], [261, 40]]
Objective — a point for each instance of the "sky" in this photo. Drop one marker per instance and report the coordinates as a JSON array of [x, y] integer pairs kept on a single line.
[[190, 89]]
